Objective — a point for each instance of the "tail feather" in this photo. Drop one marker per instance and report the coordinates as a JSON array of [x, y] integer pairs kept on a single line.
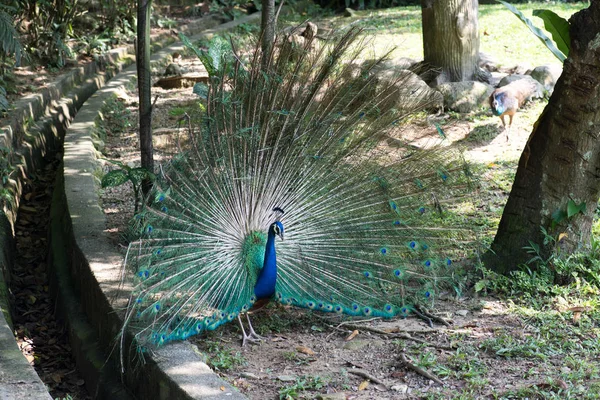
[[365, 233]]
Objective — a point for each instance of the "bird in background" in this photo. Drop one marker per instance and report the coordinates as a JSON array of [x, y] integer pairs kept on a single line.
[[365, 233], [506, 100]]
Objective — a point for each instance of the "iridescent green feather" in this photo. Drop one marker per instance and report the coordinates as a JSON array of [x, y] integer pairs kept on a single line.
[[366, 232]]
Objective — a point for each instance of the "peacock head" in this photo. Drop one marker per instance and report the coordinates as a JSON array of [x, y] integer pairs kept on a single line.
[[276, 229], [498, 103]]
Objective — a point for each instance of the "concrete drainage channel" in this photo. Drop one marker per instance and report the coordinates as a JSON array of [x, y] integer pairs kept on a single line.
[[87, 267]]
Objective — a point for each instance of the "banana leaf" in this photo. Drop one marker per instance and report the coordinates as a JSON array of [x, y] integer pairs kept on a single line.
[[558, 28], [536, 31]]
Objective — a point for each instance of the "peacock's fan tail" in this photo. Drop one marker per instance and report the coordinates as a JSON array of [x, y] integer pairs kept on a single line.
[[370, 228]]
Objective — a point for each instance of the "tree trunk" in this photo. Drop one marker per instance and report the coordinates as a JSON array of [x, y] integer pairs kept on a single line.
[[267, 27], [144, 88], [451, 39], [561, 161]]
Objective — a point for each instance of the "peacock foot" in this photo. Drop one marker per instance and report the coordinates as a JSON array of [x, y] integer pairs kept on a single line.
[[253, 337]]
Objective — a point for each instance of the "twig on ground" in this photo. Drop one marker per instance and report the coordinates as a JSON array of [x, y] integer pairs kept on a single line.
[[400, 334], [357, 322], [366, 375], [382, 332], [433, 317], [424, 318], [404, 335], [419, 370]]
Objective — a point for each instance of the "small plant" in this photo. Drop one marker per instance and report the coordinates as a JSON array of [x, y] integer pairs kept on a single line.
[[222, 359], [92, 44], [116, 116], [177, 111], [125, 174], [291, 392], [505, 345], [6, 169]]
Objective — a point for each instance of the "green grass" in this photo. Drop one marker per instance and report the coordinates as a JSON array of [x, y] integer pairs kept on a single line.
[[503, 36]]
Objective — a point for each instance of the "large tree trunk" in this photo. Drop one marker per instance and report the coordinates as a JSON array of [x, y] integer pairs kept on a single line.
[[561, 161], [451, 38], [144, 89]]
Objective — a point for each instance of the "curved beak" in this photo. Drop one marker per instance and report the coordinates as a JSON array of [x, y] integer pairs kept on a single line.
[[281, 235]]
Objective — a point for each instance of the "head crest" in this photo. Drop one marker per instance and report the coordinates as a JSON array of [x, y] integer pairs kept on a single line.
[[278, 213]]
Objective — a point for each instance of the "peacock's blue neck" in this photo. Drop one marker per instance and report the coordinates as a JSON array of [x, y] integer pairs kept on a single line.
[[498, 106], [265, 284]]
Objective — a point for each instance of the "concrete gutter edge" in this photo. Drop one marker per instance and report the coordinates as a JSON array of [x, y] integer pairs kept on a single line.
[[172, 372]]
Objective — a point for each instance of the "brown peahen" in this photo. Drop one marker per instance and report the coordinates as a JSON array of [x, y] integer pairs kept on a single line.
[[365, 226], [506, 100]]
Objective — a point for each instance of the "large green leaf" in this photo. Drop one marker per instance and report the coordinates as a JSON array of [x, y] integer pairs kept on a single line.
[[201, 90], [187, 43], [137, 175], [9, 44], [4, 105], [115, 178], [536, 31], [558, 28], [574, 208]]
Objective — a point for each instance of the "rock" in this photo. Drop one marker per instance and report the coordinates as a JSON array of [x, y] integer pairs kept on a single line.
[[295, 40], [349, 13], [520, 69], [465, 96], [356, 344], [181, 81], [332, 396], [397, 87], [249, 375], [547, 75], [396, 64], [408, 90], [529, 87], [310, 31], [411, 92], [462, 313], [496, 77], [287, 378], [403, 389], [173, 69], [486, 62]]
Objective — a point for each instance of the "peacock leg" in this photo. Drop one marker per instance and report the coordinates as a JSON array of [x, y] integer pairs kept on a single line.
[[252, 337], [253, 334], [510, 118]]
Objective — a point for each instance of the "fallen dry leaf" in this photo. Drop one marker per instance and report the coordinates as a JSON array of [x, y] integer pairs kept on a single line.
[[363, 385], [561, 236], [352, 335], [577, 311], [305, 350]]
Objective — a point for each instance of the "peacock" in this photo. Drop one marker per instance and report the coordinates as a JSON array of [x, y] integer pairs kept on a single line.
[[308, 144]]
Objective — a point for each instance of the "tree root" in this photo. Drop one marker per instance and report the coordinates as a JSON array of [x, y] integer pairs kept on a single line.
[[399, 335], [419, 370], [366, 375]]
